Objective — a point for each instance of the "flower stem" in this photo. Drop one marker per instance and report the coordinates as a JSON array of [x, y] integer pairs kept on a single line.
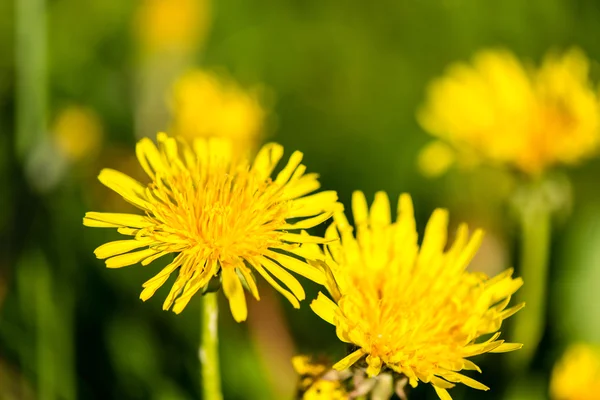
[[535, 222], [209, 348], [30, 83]]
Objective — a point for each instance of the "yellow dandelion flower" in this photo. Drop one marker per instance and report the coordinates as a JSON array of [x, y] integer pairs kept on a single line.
[[77, 132], [206, 105], [318, 381], [220, 215], [325, 390], [413, 309], [577, 375], [503, 113], [179, 25]]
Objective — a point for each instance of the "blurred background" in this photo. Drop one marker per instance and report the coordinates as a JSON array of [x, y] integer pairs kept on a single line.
[[81, 82]]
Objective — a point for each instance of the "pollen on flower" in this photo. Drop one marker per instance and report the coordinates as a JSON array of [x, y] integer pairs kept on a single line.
[[412, 309], [503, 113], [219, 215]]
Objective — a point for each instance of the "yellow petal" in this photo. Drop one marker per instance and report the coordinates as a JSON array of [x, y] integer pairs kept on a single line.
[[152, 285], [267, 158], [511, 311], [297, 238], [470, 250], [349, 360], [129, 259], [506, 347], [256, 265], [459, 378], [324, 307], [374, 365], [309, 222], [470, 366], [284, 276], [435, 237], [482, 348], [286, 173], [232, 287], [405, 208], [119, 247], [299, 267], [168, 146], [130, 189], [149, 157], [154, 257], [442, 393], [380, 214], [151, 288], [176, 289], [115, 220], [128, 231], [307, 184], [198, 281], [360, 211], [442, 384], [314, 204], [242, 269]]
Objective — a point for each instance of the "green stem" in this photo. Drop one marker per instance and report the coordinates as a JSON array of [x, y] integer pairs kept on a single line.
[[209, 348], [30, 54], [528, 325]]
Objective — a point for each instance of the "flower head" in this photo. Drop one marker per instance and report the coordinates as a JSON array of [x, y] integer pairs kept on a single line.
[[77, 132], [206, 105], [318, 381], [412, 309], [577, 375], [497, 110], [174, 25], [219, 215]]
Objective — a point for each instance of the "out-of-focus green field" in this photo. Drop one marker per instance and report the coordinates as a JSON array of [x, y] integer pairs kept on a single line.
[[342, 81]]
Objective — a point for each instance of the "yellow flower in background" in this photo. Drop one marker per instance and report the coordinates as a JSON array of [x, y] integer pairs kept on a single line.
[[498, 111], [318, 381], [206, 105], [77, 132], [413, 309], [577, 375], [220, 215], [180, 25]]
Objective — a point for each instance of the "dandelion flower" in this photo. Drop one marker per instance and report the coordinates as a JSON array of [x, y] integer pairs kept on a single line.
[[174, 25], [77, 132], [219, 215], [206, 105], [412, 309], [577, 375], [318, 381], [498, 111]]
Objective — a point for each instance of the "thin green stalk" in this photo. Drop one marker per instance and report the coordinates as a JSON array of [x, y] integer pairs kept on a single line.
[[528, 325], [45, 334], [209, 348], [30, 54]]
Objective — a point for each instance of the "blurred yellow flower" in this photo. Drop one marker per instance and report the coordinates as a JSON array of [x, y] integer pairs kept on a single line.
[[325, 390], [163, 25], [203, 104], [317, 382], [220, 215], [77, 132], [499, 111], [577, 375], [415, 310]]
